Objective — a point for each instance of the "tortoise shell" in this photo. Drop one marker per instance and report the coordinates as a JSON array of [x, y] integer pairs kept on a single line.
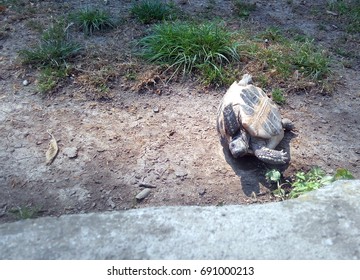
[[259, 114]]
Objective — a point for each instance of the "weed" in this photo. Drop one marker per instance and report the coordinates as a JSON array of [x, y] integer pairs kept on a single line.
[[280, 58], [35, 25], [274, 176], [243, 8], [50, 77], [54, 48], [278, 96], [25, 212], [91, 20], [272, 34], [51, 55], [190, 47], [304, 182], [149, 11], [349, 11], [309, 60], [343, 174]]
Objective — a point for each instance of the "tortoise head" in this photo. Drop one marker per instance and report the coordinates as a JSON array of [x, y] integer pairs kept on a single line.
[[239, 145]]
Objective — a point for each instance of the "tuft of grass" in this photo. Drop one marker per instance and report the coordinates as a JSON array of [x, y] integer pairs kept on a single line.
[[91, 20], [304, 182], [25, 212], [278, 60], [190, 48], [278, 96], [50, 77], [349, 11], [51, 55], [54, 48], [310, 61], [243, 8], [149, 11]]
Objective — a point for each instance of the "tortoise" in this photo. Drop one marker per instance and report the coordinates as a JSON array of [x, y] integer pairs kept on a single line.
[[249, 122]]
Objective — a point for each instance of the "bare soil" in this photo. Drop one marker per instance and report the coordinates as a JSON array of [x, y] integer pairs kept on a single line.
[[164, 134]]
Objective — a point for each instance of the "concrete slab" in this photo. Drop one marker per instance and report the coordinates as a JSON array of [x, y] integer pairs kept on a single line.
[[324, 224]]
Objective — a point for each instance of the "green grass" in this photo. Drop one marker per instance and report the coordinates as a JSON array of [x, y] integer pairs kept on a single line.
[[243, 8], [217, 56], [91, 20], [304, 182], [54, 48], [150, 11], [309, 60], [25, 212], [50, 77], [349, 12], [190, 47], [52, 55], [279, 61], [278, 96]]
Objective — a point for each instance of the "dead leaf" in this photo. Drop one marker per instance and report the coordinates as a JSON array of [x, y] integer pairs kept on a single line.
[[52, 151]]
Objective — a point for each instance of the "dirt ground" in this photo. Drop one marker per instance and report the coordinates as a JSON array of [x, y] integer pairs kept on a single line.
[[109, 148]]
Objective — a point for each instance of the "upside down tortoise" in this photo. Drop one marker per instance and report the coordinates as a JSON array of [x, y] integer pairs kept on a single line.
[[249, 122]]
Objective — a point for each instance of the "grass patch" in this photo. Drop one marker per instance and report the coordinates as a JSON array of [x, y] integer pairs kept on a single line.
[[190, 48], [50, 77], [304, 182], [91, 20], [150, 11], [282, 60], [23, 213], [243, 8], [218, 56], [278, 96], [51, 55], [349, 12], [54, 48]]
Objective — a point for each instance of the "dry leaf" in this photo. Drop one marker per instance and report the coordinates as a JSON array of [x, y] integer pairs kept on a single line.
[[52, 151]]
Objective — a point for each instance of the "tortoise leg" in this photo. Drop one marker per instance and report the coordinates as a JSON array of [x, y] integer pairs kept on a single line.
[[268, 155], [231, 121]]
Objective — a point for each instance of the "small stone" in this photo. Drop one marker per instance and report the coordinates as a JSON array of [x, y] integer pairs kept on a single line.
[[180, 173], [144, 193], [111, 203], [156, 109], [202, 191], [25, 82], [71, 152]]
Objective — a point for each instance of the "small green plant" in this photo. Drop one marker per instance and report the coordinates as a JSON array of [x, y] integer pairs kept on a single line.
[[343, 174], [304, 182], [54, 48], [149, 11], [309, 60], [50, 77], [349, 10], [278, 96], [35, 25], [190, 47], [25, 212], [91, 20], [51, 55], [243, 8]]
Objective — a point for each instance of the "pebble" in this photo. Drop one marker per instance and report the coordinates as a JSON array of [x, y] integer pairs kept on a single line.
[[144, 193], [111, 203], [71, 152], [180, 173], [156, 109], [25, 82]]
